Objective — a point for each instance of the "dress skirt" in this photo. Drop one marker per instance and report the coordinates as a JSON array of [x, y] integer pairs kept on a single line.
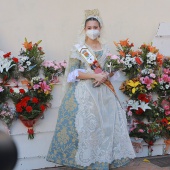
[[91, 130]]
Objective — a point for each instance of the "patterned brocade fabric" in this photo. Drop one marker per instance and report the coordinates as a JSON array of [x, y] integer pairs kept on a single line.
[[64, 145]]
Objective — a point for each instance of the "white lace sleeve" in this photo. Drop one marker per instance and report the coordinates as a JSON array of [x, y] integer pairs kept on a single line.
[[72, 77]]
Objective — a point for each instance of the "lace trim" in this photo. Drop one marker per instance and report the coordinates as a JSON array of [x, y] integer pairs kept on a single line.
[[72, 77], [98, 140]]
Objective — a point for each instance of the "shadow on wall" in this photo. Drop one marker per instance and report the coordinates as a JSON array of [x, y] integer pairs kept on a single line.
[[8, 152]]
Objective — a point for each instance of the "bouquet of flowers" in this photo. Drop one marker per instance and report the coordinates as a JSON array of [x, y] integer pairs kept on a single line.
[[113, 63], [7, 66], [7, 114], [30, 59], [131, 59], [31, 106], [150, 132], [164, 79], [151, 57], [132, 87], [53, 69]]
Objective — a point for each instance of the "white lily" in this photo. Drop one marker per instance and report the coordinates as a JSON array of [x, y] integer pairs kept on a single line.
[[5, 64], [135, 105], [144, 106]]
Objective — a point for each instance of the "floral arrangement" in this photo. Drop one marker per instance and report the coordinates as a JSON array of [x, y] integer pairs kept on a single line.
[[164, 78], [53, 69], [7, 66], [148, 77], [151, 56], [7, 114], [113, 63], [31, 105], [29, 110], [132, 87], [30, 59], [30, 94], [150, 132], [131, 60]]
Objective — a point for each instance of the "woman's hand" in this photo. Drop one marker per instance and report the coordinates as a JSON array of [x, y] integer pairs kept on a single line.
[[100, 78]]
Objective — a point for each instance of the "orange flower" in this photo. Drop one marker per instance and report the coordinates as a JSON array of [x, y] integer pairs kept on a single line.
[[124, 43], [152, 49], [116, 44], [28, 45], [122, 53], [160, 58], [143, 46]]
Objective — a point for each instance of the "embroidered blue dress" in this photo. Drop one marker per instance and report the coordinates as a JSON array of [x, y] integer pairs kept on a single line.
[[91, 130]]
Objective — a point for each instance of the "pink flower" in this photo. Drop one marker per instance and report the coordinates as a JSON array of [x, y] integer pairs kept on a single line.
[[44, 86], [167, 112], [166, 71], [165, 78], [146, 80], [129, 113], [48, 64], [63, 64], [114, 57], [21, 69], [56, 67], [152, 75], [166, 107], [164, 103], [1, 89], [141, 130], [131, 129], [36, 86]]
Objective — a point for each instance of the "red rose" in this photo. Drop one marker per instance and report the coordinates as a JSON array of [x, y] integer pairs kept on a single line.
[[143, 98], [7, 55], [42, 107], [139, 111], [15, 59], [28, 109], [18, 107], [11, 91], [26, 98], [35, 100], [22, 91], [23, 103]]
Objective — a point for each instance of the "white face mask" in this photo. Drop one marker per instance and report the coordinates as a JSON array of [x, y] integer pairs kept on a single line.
[[93, 34]]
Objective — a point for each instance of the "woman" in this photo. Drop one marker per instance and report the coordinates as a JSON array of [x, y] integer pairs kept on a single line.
[[91, 130]]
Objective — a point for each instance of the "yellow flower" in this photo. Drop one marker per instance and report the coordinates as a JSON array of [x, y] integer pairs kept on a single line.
[[133, 85]]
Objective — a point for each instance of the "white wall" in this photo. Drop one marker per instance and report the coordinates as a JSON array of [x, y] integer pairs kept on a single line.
[[57, 22]]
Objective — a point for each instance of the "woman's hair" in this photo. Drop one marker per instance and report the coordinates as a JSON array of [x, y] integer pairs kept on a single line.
[[91, 19]]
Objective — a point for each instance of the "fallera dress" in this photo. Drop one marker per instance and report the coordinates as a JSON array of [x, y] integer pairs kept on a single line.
[[91, 130]]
